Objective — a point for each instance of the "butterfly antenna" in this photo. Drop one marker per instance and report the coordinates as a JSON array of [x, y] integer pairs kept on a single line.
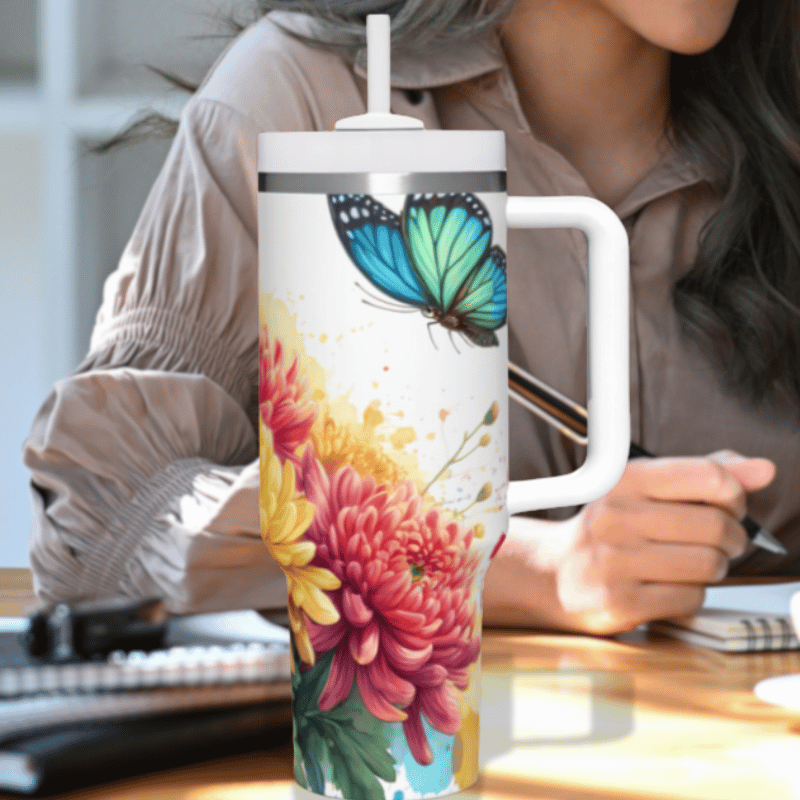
[[386, 304], [386, 308]]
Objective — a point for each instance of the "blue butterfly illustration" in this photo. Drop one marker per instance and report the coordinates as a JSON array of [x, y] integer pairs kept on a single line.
[[436, 257]]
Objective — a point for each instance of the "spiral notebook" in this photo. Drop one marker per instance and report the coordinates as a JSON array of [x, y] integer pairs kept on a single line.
[[243, 659], [221, 685], [739, 618]]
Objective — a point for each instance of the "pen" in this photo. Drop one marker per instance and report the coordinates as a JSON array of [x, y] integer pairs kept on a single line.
[[571, 419]]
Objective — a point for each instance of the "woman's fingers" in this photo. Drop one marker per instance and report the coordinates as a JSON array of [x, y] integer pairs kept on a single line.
[[672, 563], [633, 521], [714, 480], [752, 473], [696, 480]]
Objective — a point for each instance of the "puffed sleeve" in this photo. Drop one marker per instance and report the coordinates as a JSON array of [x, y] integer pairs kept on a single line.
[[144, 461]]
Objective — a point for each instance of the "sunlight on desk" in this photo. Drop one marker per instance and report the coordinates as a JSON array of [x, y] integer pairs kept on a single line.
[[232, 791], [637, 717], [546, 705], [684, 739], [703, 758], [551, 736]]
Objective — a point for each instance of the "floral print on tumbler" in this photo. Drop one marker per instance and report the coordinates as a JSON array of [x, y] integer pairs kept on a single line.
[[384, 511]]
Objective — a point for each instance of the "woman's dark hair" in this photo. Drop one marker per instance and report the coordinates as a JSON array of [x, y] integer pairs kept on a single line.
[[736, 112], [416, 24]]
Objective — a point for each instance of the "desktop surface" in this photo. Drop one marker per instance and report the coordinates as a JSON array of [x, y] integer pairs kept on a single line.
[[563, 718]]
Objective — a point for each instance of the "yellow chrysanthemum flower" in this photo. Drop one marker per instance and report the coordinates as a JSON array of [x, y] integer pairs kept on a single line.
[[285, 517], [336, 446]]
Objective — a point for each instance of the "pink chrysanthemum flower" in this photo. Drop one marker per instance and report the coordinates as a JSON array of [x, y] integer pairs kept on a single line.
[[406, 632], [283, 399]]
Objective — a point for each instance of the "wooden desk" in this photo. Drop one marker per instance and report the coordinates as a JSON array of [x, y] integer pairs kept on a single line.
[[570, 718]]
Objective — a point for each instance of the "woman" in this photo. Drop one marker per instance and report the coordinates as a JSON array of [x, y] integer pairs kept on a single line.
[[682, 116]]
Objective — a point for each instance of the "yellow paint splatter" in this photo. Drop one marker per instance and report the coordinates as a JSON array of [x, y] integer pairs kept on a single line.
[[465, 746], [375, 384], [284, 325], [341, 435], [323, 337], [430, 436], [402, 436], [372, 415]]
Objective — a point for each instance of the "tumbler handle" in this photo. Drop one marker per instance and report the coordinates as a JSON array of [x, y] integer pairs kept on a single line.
[[607, 332]]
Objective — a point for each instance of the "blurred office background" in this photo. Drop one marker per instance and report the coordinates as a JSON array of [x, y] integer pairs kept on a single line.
[[73, 73]]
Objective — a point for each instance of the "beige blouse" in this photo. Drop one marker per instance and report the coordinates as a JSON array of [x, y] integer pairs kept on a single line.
[[144, 460]]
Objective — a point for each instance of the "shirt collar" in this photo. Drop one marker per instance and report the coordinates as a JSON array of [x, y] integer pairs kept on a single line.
[[453, 62], [672, 173]]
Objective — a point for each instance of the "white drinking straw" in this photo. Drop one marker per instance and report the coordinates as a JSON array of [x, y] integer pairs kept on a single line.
[[378, 63], [379, 84]]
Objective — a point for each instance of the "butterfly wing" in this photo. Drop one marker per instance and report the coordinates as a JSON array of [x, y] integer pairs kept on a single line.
[[484, 297], [371, 236], [447, 237]]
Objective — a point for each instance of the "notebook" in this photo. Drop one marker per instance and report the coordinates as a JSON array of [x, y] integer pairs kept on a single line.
[[244, 659], [65, 757], [220, 686], [739, 618]]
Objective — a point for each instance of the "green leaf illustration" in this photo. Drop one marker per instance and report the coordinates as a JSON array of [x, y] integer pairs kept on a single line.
[[296, 676], [316, 754], [342, 777], [359, 749], [308, 687], [348, 740], [364, 748], [299, 773]]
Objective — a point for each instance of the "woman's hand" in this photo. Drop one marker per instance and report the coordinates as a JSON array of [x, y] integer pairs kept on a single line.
[[645, 550]]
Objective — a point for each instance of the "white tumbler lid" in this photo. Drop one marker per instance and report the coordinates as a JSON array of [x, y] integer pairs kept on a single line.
[[382, 151]]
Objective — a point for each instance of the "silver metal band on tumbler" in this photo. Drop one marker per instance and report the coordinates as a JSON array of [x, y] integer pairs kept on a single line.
[[380, 182]]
